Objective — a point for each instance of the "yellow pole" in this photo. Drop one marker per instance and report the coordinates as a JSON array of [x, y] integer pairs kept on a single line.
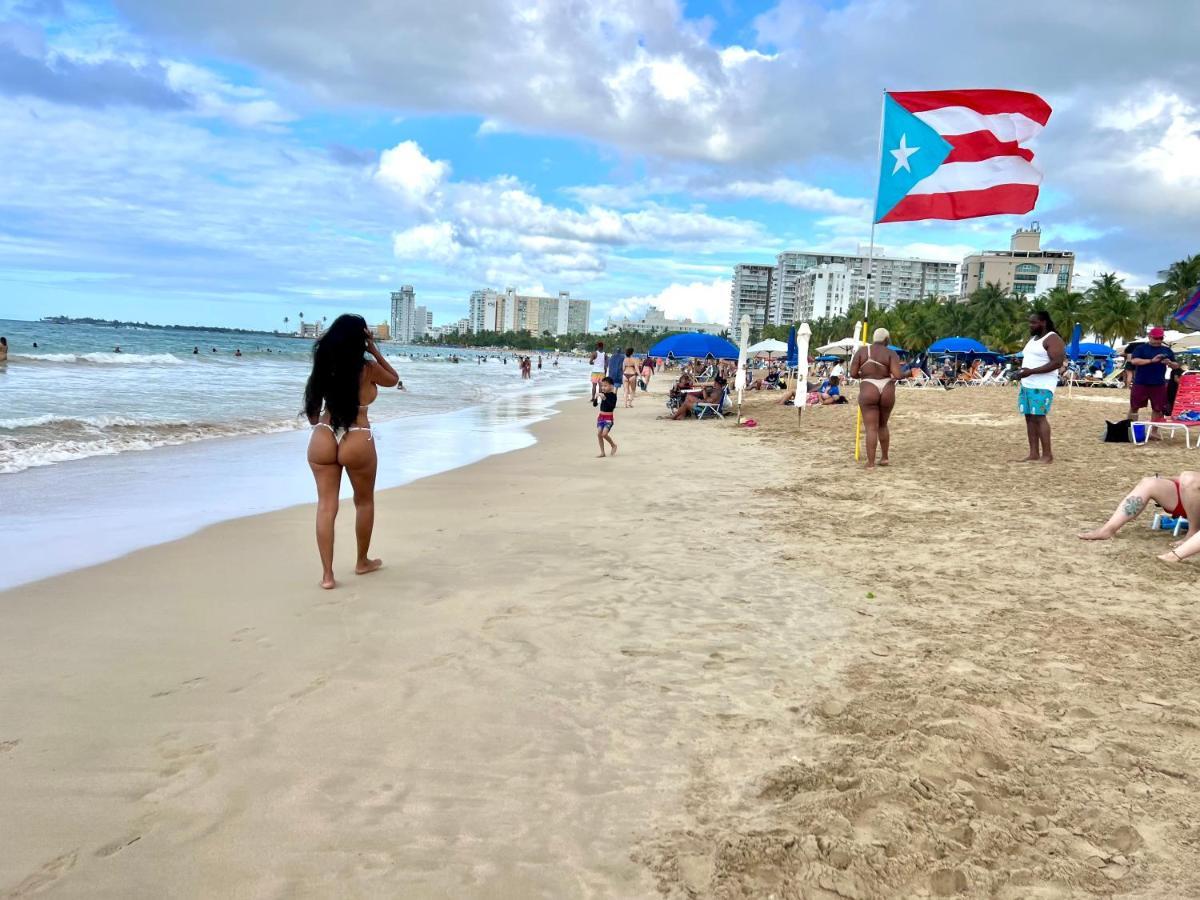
[[858, 421]]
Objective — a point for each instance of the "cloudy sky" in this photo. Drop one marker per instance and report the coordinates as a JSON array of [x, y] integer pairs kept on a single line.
[[232, 162]]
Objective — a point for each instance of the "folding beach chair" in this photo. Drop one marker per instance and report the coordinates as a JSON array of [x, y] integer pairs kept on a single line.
[[1166, 523], [1185, 414], [712, 409]]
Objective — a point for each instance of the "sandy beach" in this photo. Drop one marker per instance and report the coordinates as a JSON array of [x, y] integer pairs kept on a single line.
[[686, 671]]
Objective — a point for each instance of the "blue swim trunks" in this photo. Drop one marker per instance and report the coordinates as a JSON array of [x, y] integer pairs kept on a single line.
[[604, 421], [1034, 401]]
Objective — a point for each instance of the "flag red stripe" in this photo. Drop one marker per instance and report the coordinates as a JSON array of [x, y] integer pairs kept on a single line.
[[986, 102], [999, 200], [979, 145]]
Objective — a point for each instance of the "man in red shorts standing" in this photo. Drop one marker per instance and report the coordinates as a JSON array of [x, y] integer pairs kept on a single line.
[[1150, 362]]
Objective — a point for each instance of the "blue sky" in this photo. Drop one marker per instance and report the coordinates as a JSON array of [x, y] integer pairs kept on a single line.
[[174, 161]]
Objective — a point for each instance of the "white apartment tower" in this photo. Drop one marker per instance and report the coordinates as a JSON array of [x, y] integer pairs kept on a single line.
[[403, 314], [823, 292], [750, 295], [509, 311], [896, 280]]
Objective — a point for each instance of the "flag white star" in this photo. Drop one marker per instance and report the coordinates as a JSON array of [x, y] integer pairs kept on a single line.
[[902, 153]]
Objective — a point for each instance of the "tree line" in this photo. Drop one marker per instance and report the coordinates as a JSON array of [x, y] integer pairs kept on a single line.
[[999, 319]]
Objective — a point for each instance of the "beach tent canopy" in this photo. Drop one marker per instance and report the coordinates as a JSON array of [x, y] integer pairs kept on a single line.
[[770, 345], [695, 345], [957, 345], [828, 358]]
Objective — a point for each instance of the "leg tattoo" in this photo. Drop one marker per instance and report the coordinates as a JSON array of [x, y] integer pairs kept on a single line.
[[1134, 505]]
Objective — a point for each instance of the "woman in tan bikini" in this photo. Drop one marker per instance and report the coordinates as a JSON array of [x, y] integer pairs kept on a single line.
[[629, 373], [878, 368], [342, 385]]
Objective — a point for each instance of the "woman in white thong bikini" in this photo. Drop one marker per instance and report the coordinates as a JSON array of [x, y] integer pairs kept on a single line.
[[342, 385], [877, 393]]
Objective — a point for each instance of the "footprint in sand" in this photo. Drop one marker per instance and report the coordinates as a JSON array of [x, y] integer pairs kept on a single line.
[[7, 746], [112, 848], [183, 685], [46, 875], [316, 684]]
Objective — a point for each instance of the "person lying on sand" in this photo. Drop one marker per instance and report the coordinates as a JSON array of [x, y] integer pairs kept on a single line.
[[1178, 496]]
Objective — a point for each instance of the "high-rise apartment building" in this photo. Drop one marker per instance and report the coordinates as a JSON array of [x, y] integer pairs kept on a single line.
[[403, 313], [750, 295], [422, 321], [823, 292], [1024, 268], [896, 280], [509, 311]]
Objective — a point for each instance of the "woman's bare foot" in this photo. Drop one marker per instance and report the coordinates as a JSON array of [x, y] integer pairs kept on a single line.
[[328, 583], [884, 462], [614, 450], [1100, 534], [1171, 557], [601, 456], [1028, 459], [367, 566]]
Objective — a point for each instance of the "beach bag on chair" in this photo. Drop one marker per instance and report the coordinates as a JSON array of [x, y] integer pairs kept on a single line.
[[1116, 432]]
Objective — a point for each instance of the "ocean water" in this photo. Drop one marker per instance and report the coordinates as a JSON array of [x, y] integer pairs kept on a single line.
[[102, 452]]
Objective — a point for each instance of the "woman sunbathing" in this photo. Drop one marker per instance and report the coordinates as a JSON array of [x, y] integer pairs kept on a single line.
[[1178, 496]]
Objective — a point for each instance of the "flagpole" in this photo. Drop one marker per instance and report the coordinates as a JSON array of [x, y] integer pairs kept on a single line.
[[870, 266]]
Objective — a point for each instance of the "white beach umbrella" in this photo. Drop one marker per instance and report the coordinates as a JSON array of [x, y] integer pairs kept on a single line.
[[770, 345], [743, 340], [803, 337], [844, 347]]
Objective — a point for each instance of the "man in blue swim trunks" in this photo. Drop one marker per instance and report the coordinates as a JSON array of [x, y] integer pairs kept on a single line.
[[1042, 358]]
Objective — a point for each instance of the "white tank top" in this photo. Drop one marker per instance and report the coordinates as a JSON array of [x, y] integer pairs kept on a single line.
[[1035, 356]]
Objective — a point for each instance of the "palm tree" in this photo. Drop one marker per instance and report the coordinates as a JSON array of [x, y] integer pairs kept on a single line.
[[1114, 314], [1066, 307], [1154, 306], [285, 321], [1181, 279]]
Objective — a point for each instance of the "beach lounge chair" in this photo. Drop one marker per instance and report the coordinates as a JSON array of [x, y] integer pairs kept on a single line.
[[712, 409], [1185, 415], [1173, 525]]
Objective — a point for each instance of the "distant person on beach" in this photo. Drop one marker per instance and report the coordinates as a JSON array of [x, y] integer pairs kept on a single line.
[[1177, 496], [3, 349], [599, 363], [116, 349], [1041, 360], [879, 369], [237, 352], [616, 367], [629, 371], [195, 351], [710, 393], [830, 393], [342, 385], [1150, 362], [647, 371], [604, 421]]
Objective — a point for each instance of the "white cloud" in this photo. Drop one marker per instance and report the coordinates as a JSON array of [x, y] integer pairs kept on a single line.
[[793, 193], [698, 301], [411, 174], [434, 241], [217, 98]]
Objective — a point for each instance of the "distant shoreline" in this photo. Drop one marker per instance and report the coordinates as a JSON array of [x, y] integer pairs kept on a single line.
[[116, 323]]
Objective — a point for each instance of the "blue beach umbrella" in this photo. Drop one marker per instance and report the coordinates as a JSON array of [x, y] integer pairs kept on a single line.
[[955, 346], [695, 345], [1076, 335], [793, 351]]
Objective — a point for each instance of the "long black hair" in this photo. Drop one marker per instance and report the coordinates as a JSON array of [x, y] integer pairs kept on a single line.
[[337, 370]]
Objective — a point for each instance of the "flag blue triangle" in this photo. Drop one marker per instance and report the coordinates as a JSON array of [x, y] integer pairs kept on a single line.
[[911, 151]]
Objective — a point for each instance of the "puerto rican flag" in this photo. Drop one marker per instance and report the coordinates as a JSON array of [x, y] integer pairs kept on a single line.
[[958, 154]]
